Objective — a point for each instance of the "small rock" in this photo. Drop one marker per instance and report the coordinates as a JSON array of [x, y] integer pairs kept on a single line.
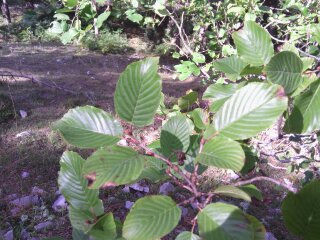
[[126, 189], [184, 211], [25, 235], [25, 202], [140, 188], [128, 204], [166, 188], [23, 113], [37, 191], [15, 211], [23, 134], [123, 142], [43, 226], [233, 175], [245, 206], [60, 204], [8, 235], [25, 175], [11, 197], [270, 236]]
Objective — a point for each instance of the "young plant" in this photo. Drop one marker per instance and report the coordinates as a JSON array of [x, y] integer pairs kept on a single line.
[[194, 137]]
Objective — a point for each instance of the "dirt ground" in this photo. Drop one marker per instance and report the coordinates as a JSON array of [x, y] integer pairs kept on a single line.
[[57, 78]]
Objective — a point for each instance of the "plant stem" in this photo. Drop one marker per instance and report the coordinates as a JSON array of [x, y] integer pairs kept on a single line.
[[262, 178]]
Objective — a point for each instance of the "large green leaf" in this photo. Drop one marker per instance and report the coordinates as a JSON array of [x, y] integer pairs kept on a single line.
[[305, 116], [219, 93], [301, 211], [113, 166], [253, 44], [231, 66], [231, 191], [252, 191], [138, 92], [187, 236], [73, 185], [285, 69], [225, 222], [175, 135], [222, 152], [200, 118], [151, 217], [186, 101], [89, 127], [250, 110]]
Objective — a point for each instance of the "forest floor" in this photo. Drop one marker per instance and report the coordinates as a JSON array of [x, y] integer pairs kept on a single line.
[[57, 78]]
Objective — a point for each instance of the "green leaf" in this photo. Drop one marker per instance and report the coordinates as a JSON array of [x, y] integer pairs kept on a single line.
[[305, 116], [198, 57], [89, 127], [219, 93], [222, 152], [67, 37], [250, 161], [151, 217], [154, 170], [102, 18], [301, 211], [73, 185], [113, 166], [250, 110], [175, 135], [186, 101], [253, 44], [187, 236], [133, 16], [200, 118], [285, 69], [306, 82], [231, 66], [79, 235], [61, 16], [70, 3], [186, 69], [138, 92], [252, 191], [104, 228], [84, 219], [224, 222], [57, 27], [231, 191]]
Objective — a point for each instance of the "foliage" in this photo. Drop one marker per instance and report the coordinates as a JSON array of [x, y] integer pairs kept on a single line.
[[106, 42], [191, 139], [6, 108]]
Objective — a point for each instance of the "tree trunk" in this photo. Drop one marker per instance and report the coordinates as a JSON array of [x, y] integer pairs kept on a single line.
[[5, 10]]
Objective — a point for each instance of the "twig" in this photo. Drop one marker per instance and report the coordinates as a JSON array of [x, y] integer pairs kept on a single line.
[[276, 167], [303, 52], [262, 178], [192, 187]]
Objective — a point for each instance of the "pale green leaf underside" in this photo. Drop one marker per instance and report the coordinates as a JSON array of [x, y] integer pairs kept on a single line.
[[151, 217], [250, 110], [222, 152], [138, 92], [225, 222], [253, 44], [89, 127], [285, 69], [113, 166]]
